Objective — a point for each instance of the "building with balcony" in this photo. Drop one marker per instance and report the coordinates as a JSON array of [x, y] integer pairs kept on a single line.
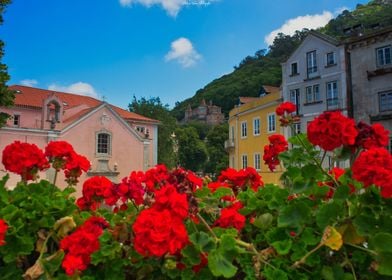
[[250, 124], [314, 78], [370, 57]]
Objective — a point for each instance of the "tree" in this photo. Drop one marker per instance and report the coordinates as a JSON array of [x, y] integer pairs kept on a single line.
[[6, 96], [217, 156], [153, 108], [192, 152]]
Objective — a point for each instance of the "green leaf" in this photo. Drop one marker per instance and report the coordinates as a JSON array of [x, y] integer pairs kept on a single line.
[[221, 192], [191, 254], [202, 192], [220, 265], [202, 241], [274, 274], [384, 263], [309, 238], [382, 242], [282, 247], [294, 215], [3, 191], [263, 221], [328, 214], [54, 262]]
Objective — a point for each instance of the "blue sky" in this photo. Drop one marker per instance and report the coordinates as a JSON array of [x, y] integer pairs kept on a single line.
[[148, 48]]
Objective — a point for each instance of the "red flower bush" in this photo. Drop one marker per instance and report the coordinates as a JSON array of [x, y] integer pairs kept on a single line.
[[278, 144], [132, 188], [95, 189], [285, 107], [158, 232], [3, 230], [231, 218], [156, 177], [374, 166], [81, 244], [74, 167], [24, 159], [331, 130]]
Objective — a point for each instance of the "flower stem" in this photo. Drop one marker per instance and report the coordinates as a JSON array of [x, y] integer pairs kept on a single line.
[[207, 226], [362, 248], [303, 259]]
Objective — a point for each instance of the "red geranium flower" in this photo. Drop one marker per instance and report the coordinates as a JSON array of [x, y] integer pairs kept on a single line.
[[24, 159], [74, 167], [231, 218], [331, 130], [278, 144], [374, 166], [285, 107], [168, 198], [158, 232], [59, 153], [95, 190], [81, 244], [375, 136], [3, 230]]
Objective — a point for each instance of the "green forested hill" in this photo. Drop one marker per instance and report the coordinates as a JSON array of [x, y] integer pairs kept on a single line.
[[264, 67]]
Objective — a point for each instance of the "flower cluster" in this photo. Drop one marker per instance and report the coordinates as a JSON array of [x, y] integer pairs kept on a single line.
[[240, 180], [160, 229], [374, 136], [24, 159], [3, 230], [285, 110], [331, 130], [231, 218], [95, 189], [81, 244], [278, 144], [374, 166], [27, 159]]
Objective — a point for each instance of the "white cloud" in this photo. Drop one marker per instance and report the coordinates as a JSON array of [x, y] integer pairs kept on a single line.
[[183, 52], [298, 23], [80, 88], [29, 82], [171, 6]]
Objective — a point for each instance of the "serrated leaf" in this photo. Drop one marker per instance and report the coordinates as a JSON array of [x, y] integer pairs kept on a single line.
[[202, 241], [221, 192], [220, 265], [328, 213], [384, 263], [282, 247], [263, 221]]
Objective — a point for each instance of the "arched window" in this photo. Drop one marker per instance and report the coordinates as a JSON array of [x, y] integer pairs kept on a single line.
[[104, 143]]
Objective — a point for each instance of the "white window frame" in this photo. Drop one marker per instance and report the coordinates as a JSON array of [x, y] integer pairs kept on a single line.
[[244, 129], [271, 126], [311, 63], [384, 56], [311, 94], [256, 126], [387, 104], [257, 161], [332, 93], [244, 161], [333, 62], [292, 73], [98, 152]]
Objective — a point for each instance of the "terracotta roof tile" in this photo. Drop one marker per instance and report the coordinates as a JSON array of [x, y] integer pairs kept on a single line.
[[34, 97]]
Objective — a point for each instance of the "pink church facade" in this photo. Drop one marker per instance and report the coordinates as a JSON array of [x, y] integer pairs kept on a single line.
[[115, 141]]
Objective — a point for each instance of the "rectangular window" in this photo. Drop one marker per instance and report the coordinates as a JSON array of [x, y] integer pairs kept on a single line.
[[244, 161], [295, 98], [383, 56], [294, 68], [16, 120], [256, 126], [244, 129], [332, 94], [103, 143], [271, 122], [232, 133], [331, 59], [311, 63], [141, 129], [385, 100], [313, 94], [297, 128], [257, 162]]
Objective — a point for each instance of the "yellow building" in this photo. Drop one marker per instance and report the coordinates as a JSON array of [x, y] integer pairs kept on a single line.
[[250, 125]]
